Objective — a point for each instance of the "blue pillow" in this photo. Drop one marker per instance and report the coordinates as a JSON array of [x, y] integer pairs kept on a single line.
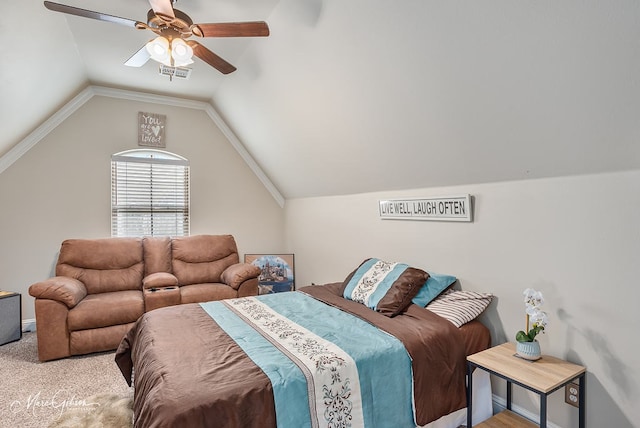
[[436, 284]]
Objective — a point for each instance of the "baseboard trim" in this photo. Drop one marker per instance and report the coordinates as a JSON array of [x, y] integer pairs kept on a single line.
[[28, 325], [500, 404]]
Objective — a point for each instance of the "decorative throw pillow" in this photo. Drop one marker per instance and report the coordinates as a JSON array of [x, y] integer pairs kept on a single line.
[[460, 307], [436, 283], [384, 287]]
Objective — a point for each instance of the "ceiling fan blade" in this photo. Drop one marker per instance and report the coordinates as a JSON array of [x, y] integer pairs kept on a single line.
[[210, 58], [71, 10], [162, 7], [139, 58], [232, 29]]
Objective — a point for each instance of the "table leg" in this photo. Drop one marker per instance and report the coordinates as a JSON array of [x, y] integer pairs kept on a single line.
[[543, 410], [508, 395], [469, 395], [582, 401]]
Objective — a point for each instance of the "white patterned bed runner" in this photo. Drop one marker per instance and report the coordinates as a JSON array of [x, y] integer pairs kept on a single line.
[[332, 376]]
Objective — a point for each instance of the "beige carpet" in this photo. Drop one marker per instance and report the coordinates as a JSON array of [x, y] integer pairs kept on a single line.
[[72, 392]]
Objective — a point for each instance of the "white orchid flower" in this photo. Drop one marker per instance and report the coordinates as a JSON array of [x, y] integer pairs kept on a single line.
[[531, 310], [533, 298], [539, 318], [528, 294], [536, 318], [538, 298]]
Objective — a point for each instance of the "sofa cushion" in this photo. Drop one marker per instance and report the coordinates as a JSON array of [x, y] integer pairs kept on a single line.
[[157, 254], [103, 265], [202, 258], [97, 339], [197, 293], [105, 309]]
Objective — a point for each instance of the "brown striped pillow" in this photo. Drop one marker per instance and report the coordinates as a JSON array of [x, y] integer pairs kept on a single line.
[[460, 307]]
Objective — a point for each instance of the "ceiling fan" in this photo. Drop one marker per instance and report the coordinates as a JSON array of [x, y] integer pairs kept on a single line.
[[172, 45]]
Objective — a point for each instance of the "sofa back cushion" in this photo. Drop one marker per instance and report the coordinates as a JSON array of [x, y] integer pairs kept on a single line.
[[103, 265], [202, 258], [157, 254]]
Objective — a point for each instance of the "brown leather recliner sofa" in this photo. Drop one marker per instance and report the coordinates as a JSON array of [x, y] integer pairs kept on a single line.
[[102, 286]]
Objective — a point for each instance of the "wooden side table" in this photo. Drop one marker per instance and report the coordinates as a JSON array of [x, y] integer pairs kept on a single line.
[[544, 376]]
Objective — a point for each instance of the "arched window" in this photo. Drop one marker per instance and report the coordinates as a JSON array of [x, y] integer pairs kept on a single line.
[[149, 194]]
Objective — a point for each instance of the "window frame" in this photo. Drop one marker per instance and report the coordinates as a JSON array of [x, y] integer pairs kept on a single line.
[[139, 214]]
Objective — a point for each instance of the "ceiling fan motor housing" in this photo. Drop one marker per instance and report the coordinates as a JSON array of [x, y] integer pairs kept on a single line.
[[181, 24]]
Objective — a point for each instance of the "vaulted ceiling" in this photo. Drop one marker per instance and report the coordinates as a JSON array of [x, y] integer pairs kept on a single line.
[[367, 95]]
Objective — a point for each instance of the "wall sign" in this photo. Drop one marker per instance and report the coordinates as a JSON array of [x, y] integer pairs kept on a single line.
[[451, 208], [151, 129]]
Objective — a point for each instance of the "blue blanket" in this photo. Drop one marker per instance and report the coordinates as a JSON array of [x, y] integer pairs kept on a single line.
[[384, 371]]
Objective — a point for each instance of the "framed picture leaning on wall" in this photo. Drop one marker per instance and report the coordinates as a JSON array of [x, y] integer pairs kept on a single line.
[[276, 272]]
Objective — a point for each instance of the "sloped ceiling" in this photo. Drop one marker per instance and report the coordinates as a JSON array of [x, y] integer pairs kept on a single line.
[[368, 95]]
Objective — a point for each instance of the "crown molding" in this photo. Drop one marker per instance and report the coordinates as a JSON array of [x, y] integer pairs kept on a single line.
[[89, 92]]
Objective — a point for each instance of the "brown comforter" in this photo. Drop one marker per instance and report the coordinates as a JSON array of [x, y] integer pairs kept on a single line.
[[190, 373]]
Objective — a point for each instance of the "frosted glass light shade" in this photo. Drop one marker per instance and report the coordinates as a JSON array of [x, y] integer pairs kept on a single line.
[[181, 52], [159, 50]]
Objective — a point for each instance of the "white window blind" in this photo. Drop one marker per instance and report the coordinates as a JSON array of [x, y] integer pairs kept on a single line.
[[149, 194]]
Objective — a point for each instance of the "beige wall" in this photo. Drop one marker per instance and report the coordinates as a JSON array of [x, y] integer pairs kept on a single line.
[[61, 188], [575, 239]]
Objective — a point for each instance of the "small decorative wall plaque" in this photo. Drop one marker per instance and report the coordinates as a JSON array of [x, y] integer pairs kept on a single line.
[[151, 129]]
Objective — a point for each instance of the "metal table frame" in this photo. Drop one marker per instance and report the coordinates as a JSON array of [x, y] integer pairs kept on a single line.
[[543, 395]]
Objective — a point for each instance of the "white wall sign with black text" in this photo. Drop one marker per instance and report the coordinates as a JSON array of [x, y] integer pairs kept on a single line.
[[449, 208]]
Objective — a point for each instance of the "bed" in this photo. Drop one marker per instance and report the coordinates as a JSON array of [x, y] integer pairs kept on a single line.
[[220, 364]]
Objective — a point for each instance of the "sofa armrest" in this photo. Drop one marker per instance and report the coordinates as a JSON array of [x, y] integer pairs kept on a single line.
[[63, 289], [159, 280], [238, 273]]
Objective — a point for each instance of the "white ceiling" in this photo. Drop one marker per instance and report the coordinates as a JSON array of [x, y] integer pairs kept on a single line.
[[368, 95]]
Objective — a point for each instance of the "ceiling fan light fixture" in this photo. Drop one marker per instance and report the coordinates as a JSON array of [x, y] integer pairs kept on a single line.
[[159, 50], [181, 52], [168, 24]]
